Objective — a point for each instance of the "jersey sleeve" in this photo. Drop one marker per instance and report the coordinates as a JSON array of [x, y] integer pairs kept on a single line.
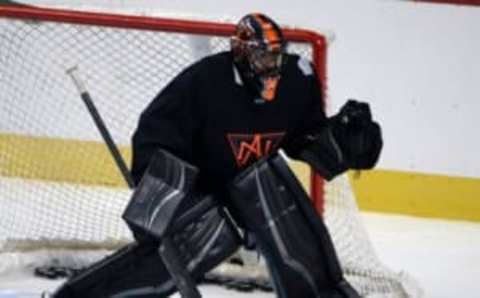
[[168, 123], [314, 117]]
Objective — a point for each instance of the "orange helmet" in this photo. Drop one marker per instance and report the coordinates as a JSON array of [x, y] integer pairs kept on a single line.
[[258, 48]]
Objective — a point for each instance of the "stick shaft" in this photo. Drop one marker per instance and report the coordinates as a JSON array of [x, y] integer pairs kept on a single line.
[[102, 128], [183, 280], [120, 162]]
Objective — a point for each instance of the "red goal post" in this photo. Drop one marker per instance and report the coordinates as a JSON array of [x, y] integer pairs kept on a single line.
[[317, 41]]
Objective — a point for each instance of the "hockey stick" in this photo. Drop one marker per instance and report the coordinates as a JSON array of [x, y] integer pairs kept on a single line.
[[185, 283], [102, 128]]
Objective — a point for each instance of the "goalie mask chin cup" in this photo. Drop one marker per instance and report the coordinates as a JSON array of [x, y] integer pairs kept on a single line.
[[258, 48]]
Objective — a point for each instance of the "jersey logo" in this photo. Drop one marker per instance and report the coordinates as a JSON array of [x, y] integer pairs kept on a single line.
[[248, 148]]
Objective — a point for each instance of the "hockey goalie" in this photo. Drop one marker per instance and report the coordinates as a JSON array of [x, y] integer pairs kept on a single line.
[[208, 162]]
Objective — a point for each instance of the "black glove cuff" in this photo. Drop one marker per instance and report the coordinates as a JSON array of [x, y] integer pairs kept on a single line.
[[324, 155]]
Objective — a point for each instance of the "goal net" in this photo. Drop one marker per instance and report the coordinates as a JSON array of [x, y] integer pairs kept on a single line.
[[61, 195]]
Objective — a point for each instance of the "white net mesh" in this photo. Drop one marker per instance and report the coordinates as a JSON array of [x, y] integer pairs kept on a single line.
[[357, 256], [59, 188]]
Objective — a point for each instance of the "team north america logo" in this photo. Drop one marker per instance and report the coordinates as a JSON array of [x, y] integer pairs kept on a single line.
[[248, 148]]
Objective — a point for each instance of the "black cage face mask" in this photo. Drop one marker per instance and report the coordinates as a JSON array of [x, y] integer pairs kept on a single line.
[[265, 62]]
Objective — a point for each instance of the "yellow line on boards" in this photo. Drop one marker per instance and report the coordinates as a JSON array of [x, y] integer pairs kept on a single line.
[[426, 195], [302, 171], [59, 160], [90, 163]]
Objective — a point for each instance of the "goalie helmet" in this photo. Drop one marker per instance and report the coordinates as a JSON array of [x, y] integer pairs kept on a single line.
[[258, 48]]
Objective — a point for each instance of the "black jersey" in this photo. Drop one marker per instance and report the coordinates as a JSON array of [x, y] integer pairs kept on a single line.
[[209, 118]]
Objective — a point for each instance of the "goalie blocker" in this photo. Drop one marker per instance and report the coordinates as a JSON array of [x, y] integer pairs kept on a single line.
[[163, 205], [297, 247]]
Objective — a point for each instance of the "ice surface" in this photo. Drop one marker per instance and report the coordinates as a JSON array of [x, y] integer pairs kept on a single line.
[[443, 255]]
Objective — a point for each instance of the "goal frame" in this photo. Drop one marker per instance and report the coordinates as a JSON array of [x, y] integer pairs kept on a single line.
[[317, 41]]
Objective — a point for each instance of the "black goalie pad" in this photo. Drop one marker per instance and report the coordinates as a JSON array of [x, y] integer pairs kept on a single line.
[[293, 239], [205, 239], [165, 188]]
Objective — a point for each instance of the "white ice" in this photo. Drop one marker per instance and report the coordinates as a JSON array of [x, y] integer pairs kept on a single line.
[[443, 255]]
